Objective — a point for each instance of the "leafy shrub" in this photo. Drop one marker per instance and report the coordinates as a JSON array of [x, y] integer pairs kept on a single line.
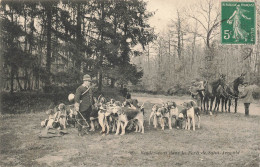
[[23, 102], [60, 89]]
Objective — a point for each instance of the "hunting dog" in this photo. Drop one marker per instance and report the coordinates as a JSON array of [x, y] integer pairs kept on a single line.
[[71, 115], [57, 118], [189, 112], [153, 116], [126, 115], [62, 115], [94, 117], [107, 118], [175, 113], [164, 113]]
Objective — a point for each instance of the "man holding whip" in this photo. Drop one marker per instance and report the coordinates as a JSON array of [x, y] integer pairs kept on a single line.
[[83, 102]]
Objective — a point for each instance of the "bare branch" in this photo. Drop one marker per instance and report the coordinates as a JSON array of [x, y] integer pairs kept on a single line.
[[195, 18], [203, 15], [216, 19], [213, 36]]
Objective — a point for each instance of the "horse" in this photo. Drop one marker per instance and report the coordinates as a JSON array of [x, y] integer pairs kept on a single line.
[[211, 92], [230, 91], [221, 95]]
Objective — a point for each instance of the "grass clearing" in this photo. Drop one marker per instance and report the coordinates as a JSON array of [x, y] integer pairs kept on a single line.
[[226, 139]]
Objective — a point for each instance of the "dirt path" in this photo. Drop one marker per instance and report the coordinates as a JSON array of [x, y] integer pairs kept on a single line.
[[158, 99]]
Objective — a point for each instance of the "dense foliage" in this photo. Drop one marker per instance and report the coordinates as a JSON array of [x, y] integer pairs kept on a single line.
[[47, 43]]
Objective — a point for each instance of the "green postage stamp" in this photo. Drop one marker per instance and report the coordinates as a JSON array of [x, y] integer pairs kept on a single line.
[[238, 22]]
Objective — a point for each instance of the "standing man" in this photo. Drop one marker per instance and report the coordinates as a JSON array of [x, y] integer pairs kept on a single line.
[[197, 91], [247, 97], [84, 101]]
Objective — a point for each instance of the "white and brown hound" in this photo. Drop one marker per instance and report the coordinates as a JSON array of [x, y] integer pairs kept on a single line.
[[129, 114], [153, 116], [189, 112], [162, 113], [107, 117]]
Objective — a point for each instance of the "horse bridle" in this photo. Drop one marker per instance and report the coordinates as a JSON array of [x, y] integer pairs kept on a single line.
[[229, 93]]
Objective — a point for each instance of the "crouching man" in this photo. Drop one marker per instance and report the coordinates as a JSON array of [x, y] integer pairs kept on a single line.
[[83, 103]]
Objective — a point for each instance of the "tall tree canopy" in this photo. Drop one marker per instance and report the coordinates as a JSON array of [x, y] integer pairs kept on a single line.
[[48, 43]]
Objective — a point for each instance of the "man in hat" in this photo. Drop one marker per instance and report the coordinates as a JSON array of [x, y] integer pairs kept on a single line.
[[247, 97], [197, 91], [84, 100]]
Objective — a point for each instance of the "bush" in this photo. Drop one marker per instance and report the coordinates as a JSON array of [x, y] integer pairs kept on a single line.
[[147, 91], [60, 89], [23, 102]]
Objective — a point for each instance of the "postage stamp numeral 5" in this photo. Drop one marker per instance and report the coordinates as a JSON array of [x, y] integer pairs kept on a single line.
[[238, 23]]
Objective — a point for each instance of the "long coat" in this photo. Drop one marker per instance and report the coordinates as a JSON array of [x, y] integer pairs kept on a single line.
[[87, 98], [247, 95]]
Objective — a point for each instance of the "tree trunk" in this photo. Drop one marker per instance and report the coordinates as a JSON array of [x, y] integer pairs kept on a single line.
[[17, 79], [179, 33], [112, 83], [79, 37], [25, 79], [48, 57], [193, 47], [12, 78], [100, 78]]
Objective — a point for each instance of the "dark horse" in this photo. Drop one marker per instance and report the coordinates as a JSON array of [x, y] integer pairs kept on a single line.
[[211, 92], [228, 92], [221, 95]]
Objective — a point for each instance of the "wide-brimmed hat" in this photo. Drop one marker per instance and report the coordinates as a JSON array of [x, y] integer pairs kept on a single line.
[[86, 78]]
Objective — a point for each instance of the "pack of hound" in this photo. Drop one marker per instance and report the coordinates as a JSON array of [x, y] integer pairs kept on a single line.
[[185, 112], [116, 116], [113, 116]]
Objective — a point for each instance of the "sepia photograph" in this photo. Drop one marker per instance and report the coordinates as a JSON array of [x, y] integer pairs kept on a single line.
[[130, 83]]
